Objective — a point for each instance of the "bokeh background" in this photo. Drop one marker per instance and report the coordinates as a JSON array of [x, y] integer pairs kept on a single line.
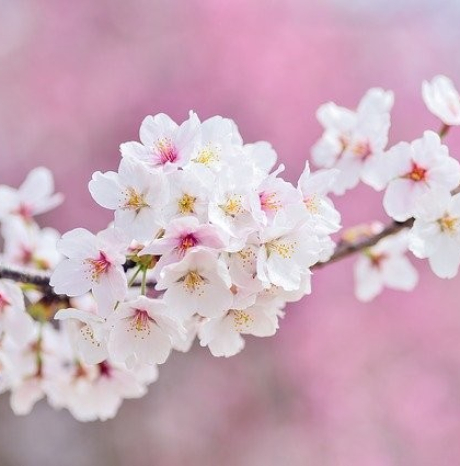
[[341, 384]]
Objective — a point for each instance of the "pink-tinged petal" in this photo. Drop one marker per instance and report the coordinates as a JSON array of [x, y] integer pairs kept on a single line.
[[445, 174]]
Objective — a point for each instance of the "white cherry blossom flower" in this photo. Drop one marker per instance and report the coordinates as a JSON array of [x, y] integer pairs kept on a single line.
[[222, 335], [91, 336], [182, 235], [142, 332], [34, 197], [410, 170], [164, 144], [436, 232], [352, 138], [188, 195], [199, 284], [93, 262], [288, 249], [442, 99], [384, 265], [135, 194], [28, 245]]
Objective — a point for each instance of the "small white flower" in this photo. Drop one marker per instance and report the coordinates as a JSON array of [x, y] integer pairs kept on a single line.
[[27, 245], [442, 99], [135, 194], [410, 170], [384, 265], [352, 138], [222, 335], [164, 144], [199, 284], [34, 197], [436, 232], [142, 332], [93, 263]]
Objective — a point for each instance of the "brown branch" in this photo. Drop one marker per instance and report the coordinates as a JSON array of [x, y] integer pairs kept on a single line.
[[344, 249], [347, 248]]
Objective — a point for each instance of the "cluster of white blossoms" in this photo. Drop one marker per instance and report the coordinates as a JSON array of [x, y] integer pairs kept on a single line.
[[38, 359], [208, 242]]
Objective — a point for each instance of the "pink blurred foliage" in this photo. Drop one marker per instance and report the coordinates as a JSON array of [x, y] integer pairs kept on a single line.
[[342, 383]]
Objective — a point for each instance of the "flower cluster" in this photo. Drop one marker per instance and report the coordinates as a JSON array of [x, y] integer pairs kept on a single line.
[[36, 358], [208, 242]]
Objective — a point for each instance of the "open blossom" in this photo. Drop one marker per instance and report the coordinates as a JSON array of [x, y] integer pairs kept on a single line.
[[436, 232], [164, 144], [181, 236], [90, 338], [135, 193], [199, 284], [217, 143], [222, 335], [93, 262], [28, 245], [142, 332], [352, 138], [34, 197], [288, 248], [442, 99], [408, 171], [384, 265]]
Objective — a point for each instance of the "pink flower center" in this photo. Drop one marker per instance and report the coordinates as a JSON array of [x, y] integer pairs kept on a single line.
[[362, 149], [165, 152], [186, 242], [417, 173], [141, 320], [269, 201], [377, 259], [99, 266], [105, 369], [24, 211]]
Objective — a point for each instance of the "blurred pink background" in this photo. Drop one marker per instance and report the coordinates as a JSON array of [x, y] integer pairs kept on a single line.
[[342, 384]]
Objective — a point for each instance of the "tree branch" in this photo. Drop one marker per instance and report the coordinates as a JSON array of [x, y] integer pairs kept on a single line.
[[347, 248], [344, 249]]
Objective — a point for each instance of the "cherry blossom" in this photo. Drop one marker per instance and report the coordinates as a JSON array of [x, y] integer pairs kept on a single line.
[[135, 193], [408, 171], [436, 232], [142, 332], [442, 99], [352, 138], [199, 284], [384, 265], [34, 196], [93, 262], [164, 144]]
